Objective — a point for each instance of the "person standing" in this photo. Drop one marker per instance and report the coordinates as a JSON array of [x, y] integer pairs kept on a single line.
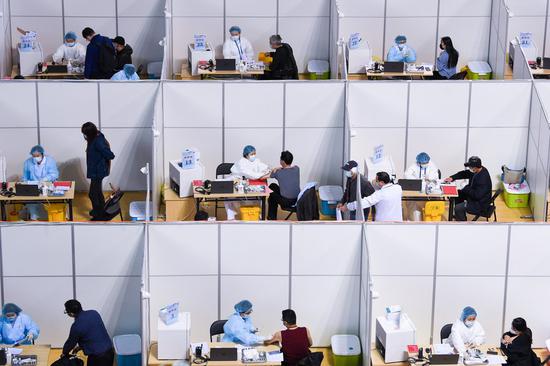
[[98, 166], [284, 64], [100, 56], [351, 171], [89, 334], [287, 190], [123, 53]]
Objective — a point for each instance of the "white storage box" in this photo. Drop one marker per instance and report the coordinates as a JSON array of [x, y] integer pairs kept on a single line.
[[391, 342], [193, 57], [137, 210], [358, 58], [181, 180], [29, 59], [174, 339]]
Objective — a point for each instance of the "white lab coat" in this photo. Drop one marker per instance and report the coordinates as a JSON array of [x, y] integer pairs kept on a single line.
[[387, 201], [250, 170], [416, 172], [240, 50], [77, 52], [461, 336]]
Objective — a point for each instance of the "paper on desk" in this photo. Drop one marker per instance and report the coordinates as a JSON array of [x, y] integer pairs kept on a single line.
[[15, 351], [442, 349], [496, 360], [276, 357]]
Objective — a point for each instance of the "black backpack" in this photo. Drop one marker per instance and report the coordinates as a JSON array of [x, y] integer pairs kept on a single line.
[[107, 60]]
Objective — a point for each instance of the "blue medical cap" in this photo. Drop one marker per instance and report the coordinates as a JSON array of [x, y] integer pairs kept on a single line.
[[243, 306], [422, 158], [235, 28], [248, 149], [129, 70], [400, 38], [70, 35], [466, 312], [37, 149], [11, 308]]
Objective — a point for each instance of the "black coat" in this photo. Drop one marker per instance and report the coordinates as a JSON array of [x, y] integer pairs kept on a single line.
[[98, 158], [123, 57], [519, 352], [307, 207], [350, 194], [284, 64], [478, 192]]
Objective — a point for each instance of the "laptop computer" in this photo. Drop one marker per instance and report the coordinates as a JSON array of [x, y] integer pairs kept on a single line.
[[225, 64], [27, 190], [56, 69], [444, 359], [390, 66], [410, 184], [223, 354], [546, 63], [221, 186]]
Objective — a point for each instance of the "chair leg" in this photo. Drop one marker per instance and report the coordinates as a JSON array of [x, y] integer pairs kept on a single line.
[[495, 214], [476, 218], [290, 214], [120, 213], [216, 209]]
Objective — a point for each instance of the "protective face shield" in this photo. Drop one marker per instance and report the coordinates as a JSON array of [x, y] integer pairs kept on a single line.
[[469, 323], [252, 157], [37, 159]]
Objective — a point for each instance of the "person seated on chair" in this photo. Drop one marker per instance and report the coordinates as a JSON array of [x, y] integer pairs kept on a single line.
[[352, 174], [39, 168], [516, 345], [295, 341], [239, 328], [17, 327], [447, 60], [386, 198], [287, 190], [474, 198], [248, 167], [423, 169], [401, 52], [237, 47], [70, 50], [466, 332]]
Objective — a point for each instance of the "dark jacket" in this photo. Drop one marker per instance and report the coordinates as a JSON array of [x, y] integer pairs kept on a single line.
[[88, 331], [92, 67], [478, 191], [307, 207], [284, 64], [350, 194], [123, 57], [519, 352], [98, 158]]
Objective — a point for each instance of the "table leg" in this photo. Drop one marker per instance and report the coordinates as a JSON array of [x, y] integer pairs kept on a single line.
[[3, 208], [263, 208], [197, 204], [71, 215], [451, 208]]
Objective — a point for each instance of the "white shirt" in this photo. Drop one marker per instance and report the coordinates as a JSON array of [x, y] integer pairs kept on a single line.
[[461, 335], [387, 201], [416, 172], [249, 169], [76, 52], [240, 50]]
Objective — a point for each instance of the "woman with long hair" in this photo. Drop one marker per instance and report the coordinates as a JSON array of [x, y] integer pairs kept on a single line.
[[516, 345], [447, 60], [98, 166]]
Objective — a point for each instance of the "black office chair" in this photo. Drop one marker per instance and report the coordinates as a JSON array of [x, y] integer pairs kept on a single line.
[[492, 210], [445, 331], [459, 76], [313, 359], [112, 206], [290, 211], [221, 171], [217, 328]]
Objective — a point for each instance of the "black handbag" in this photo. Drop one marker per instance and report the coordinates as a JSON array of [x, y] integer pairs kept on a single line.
[[68, 361], [313, 359]]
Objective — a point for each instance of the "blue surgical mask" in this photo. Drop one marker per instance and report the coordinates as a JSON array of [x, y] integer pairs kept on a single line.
[[11, 320], [252, 158], [37, 159]]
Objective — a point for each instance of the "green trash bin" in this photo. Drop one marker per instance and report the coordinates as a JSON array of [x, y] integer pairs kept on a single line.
[[318, 70], [346, 350]]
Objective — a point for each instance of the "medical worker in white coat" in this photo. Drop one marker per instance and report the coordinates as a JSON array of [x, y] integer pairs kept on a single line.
[[423, 169], [70, 50], [466, 332], [248, 167], [238, 47]]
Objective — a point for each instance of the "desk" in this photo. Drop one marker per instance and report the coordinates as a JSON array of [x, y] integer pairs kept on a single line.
[[67, 198], [53, 75], [421, 196], [205, 73], [540, 72], [385, 75], [178, 208], [378, 360], [251, 196], [42, 353]]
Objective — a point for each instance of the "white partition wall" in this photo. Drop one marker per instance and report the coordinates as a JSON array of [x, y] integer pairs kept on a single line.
[[304, 24], [140, 22], [220, 118], [100, 265], [450, 121], [528, 16], [521, 68], [380, 21], [498, 42], [5, 39]]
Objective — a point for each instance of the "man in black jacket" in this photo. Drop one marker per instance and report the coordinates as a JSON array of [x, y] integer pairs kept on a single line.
[[284, 64], [350, 194], [123, 52], [474, 198]]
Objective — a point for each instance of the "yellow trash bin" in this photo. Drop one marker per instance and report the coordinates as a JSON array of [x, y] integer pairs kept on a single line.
[[56, 212], [250, 213]]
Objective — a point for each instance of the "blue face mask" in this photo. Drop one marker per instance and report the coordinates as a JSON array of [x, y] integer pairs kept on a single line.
[[11, 320], [252, 158]]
